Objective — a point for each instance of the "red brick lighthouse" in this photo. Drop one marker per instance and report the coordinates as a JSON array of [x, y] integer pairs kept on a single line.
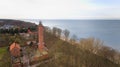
[[41, 52], [41, 37]]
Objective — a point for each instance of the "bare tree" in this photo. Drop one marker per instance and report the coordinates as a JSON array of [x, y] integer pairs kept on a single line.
[[73, 39], [91, 44], [47, 29], [54, 31], [59, 32], [107, 52], [66, 34], [87, 44]]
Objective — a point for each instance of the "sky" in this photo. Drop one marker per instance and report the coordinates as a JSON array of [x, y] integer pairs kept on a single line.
[[60, 9]]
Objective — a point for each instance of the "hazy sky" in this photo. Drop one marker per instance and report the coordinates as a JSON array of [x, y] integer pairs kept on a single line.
[[60, 9]]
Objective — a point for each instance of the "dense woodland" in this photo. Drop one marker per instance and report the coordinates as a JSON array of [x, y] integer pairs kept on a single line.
[[19, 23], [67, 51]]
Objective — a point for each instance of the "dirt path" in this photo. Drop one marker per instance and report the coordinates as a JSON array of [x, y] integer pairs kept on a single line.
[[46, 61]]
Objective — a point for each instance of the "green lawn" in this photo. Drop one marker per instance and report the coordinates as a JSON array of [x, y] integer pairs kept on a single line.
[[2, 51]]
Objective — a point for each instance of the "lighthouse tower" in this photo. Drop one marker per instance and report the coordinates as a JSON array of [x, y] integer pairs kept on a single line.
[[40, 37]]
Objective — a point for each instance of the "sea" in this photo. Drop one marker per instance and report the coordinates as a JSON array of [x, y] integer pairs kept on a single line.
[[107, 31]]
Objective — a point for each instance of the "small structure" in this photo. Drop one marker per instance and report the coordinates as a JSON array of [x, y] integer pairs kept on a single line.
[[15, 49], [15, 52]]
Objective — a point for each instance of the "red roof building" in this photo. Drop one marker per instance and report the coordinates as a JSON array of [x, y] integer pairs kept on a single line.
[[15, 49], [29, 31]]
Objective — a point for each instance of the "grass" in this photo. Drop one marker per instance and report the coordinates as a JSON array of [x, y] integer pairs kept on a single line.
[[3, 50]]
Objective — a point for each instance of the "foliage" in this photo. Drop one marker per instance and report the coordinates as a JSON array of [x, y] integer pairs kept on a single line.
[[68, 55], [89, 52]]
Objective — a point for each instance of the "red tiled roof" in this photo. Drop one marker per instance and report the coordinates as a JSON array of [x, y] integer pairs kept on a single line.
[[29, 31], [15, 49]]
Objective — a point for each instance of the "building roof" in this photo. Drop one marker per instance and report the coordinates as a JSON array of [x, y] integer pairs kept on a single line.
[[15, 49], [29, 31]]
